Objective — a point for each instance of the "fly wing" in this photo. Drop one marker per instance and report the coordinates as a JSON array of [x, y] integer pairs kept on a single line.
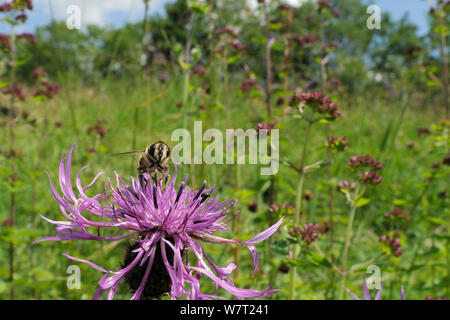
[[129, 153]]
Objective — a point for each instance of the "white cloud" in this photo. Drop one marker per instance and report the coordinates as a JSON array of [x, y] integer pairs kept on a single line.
[[99, 12]]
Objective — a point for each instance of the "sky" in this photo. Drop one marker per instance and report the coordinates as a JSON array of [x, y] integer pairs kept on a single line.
[[118, 12]]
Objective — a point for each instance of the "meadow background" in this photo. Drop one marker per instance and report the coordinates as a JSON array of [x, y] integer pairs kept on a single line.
[[113, 89]]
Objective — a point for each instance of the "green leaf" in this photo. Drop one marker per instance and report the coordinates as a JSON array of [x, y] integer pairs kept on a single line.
[[277, 47], [437, 220], [386, 135], [361, 202], [4, 84], [184, 65], [317, 259], [3, 287], [295, 263], [275, 26], [259, 40], [441, 30], [22, 61], [280, 247], [42, 274], [232, 59], [399, 202], [197, 7], [431, 83]]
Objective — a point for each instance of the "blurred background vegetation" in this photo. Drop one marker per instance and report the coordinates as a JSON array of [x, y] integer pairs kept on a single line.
[[123, 88]]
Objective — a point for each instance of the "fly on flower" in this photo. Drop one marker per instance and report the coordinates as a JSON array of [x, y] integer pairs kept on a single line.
[[166, 225]]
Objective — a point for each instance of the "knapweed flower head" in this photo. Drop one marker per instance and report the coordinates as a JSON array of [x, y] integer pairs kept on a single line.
[[394, 245], [167, 226], [337, 144], [318, 103], [378, 294]]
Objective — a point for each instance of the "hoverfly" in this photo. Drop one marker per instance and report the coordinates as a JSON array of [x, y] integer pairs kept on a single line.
[[154, 158]]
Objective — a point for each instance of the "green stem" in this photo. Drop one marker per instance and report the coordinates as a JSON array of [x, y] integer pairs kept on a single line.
[[12, 207], [348, 237], [298, 206]]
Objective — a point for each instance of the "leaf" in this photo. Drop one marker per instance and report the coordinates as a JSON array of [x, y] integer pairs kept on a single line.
[[28, 232], [399, 202], [232, 59], [431, 83], [4, 84], [197, 7], [441, 30], [295, 263], [259, 40], [437, 220], [386, 135], [280, 247], [318, 259], [42, 274], [277, 47], [360, 202], [184, 65], [22, 61], [275, 26]]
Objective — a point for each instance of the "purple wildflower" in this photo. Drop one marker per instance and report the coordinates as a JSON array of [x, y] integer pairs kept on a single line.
[[338, 143], [166, 225], [238, 46], [318, 102], [6, 7], [305, 40], [199, 70], [4, 41], [248, 84]]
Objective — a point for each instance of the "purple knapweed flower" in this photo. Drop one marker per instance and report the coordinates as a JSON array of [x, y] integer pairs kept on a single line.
[[167, 226], [377, 296]]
